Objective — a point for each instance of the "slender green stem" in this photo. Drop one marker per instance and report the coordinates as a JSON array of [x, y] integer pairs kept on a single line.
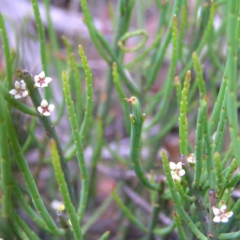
[[232, 167], [89, 92], [137, 119], [177, 200], [231, 78], [15, 103], [30, 183], [41, 36], [144, 54], [77, 79], [183, 194], [128, 35], [28, 209], [126, 211], [32, 235], [50, 130], [121, 96], [199, 75], [105, 236], [95, 158], [79, 147], [43, 47], [209, 152], [168, 86], [199, 145], [203, 39], [158, 59], [6, 50], [64, 191], [97, 213], [182, 30], [155, 212], [219, 178], [19, 231], [177, 220], [165, 230], [183, 122], [217, 106], [6, 175]]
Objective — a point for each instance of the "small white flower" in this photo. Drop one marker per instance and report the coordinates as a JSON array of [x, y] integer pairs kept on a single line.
[[45, 109], [41, 80], [57, 205], [176, 170], [220, 214], [20, 90], [191, 158]]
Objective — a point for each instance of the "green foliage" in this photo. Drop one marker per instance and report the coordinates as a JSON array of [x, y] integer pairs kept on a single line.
[[198, 97]]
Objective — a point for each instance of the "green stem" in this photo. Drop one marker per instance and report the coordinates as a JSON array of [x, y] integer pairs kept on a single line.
[[105, 236], [127, 35], [78, 146], [158, 59], [177, 220], [26, 206], [177, 200], [31, 185], [6, 50], [198, 145], [32, 235], [183, 122], [168, 86], [15, 103], [46, 122], [6, 175], [64, 191], [89, 92], [126, 211], [231, 67], [137, 119]]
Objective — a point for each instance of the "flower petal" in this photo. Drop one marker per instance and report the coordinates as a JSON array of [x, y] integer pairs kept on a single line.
[[23, 85], [36, 78], [216, 211], [175, 176], [224, 219], [17, 84], [36, 84], [179, 165], [223, 208], [25, 93], [51, 107], [46, 114], [13, 91], [48, 80], [181, 172], [216, 219], [40, 110], [172, 165], [228, 214], [41, 74], [18, 96], [44, 103]]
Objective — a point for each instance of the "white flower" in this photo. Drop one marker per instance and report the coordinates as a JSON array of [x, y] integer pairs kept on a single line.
[[220, 214], [57, 205], [41, 80], [45, 109], [191, 158], [176, 170], [20, 90]]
